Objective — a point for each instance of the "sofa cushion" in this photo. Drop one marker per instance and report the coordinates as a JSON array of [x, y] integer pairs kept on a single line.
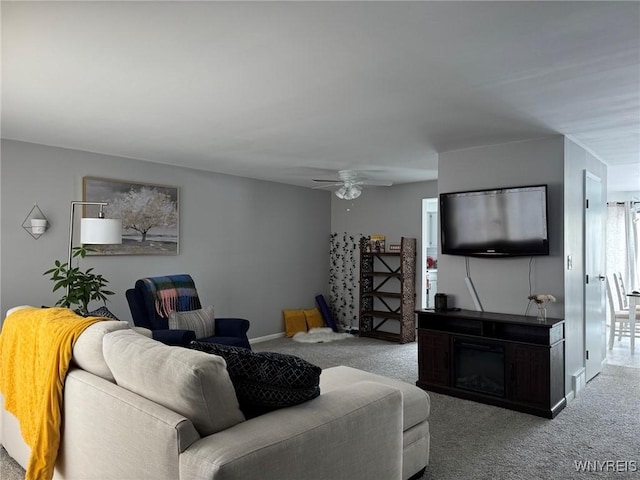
[[265, 381], [87, 351], [186, 381], [201, 321], [294, 322], [416, 402]]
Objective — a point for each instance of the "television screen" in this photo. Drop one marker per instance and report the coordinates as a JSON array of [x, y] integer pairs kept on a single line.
[[498, 222]]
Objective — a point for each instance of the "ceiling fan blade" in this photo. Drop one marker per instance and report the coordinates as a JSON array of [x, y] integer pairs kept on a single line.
[[379, 183], [350, 177]]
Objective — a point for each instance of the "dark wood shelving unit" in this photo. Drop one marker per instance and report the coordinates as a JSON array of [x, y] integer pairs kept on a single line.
[[384, 294], [387, 293], [527, 357]]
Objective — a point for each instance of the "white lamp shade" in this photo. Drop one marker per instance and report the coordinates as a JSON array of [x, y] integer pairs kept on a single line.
[[100, 231]]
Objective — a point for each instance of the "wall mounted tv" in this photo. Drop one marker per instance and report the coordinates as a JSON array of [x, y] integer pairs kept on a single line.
[[498, 222]]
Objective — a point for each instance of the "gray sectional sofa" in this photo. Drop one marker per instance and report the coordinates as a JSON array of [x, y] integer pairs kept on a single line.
[[172, 414]]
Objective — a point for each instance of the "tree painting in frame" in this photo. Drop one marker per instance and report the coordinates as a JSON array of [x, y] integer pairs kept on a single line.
[[149, 215]]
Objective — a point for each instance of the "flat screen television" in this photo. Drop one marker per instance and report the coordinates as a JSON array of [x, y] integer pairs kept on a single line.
[[498, 222]]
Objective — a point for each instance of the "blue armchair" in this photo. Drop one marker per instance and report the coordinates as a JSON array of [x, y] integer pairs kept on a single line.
[[152, 299]]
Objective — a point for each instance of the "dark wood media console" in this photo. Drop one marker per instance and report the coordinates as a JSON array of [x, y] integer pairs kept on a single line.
[[511, 361]]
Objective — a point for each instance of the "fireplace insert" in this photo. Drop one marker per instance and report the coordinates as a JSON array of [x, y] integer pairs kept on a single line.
[[479, 366]]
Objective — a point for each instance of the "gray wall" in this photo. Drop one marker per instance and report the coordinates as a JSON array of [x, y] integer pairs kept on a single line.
[[503, 284], [253, 248], [394, 211]]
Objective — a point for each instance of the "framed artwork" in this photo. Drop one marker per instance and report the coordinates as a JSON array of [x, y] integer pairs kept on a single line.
[[377, 243], [149, 215]]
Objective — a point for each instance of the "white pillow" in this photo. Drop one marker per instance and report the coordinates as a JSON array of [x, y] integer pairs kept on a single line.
[[200, 321], [87, 351], [191, 383]]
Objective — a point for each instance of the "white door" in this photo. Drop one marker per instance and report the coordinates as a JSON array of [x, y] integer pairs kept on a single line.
[[594, 287]]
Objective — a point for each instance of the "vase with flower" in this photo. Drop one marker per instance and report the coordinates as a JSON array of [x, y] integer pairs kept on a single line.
[[541, 300]]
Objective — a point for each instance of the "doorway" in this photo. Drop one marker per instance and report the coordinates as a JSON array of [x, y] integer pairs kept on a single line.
[[622, 233], [429, 254]]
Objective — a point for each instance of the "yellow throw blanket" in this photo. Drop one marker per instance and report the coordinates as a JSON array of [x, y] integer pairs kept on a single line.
[[36, 345]]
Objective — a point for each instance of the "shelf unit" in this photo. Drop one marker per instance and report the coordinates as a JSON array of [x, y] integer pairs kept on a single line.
[[387, 293]]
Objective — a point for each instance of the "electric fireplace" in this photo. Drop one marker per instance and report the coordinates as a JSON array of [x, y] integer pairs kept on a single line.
[[479, 366], [507, 360]]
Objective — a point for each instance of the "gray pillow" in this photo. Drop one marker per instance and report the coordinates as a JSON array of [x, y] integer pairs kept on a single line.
[[202, 321], [193, 384]]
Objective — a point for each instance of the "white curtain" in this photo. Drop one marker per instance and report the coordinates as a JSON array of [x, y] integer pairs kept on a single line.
[[623, 227]]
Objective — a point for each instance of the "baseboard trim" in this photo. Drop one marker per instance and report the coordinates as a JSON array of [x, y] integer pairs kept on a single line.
[[266, 338]]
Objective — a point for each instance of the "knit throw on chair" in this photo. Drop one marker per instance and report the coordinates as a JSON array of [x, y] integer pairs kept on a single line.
[[172, 293]]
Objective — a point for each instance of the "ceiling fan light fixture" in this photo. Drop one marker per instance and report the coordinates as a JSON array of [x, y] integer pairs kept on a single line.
[[349, 185], [341, 192], [352, 192]]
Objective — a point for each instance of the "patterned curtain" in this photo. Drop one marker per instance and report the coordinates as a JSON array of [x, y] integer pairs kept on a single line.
[[344, 284]]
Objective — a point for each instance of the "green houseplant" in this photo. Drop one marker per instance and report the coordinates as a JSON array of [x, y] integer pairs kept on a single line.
[[81, 287]]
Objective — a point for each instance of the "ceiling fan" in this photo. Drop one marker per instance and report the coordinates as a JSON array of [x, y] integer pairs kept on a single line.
[[350, 183]]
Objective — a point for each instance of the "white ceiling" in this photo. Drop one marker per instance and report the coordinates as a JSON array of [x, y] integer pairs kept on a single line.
[[290, 91]]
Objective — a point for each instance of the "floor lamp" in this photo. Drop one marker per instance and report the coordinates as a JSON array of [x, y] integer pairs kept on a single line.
[[94, 231]]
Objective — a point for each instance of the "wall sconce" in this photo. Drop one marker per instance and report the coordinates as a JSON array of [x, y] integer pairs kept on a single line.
[[36, 223]]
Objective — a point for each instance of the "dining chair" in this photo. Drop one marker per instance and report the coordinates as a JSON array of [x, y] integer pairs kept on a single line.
[[621, 291], [619, 318], [623, 300]]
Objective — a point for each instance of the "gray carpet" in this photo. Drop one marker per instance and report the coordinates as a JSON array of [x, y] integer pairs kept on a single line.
[[472, 441]]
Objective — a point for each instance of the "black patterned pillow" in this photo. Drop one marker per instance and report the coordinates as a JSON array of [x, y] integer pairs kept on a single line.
[[266, 381], [102, 312]]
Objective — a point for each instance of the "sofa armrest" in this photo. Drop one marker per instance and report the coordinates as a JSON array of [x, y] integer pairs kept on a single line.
[[232, 327], [11, 437], [111, 433], [310, 441], [180, 338]]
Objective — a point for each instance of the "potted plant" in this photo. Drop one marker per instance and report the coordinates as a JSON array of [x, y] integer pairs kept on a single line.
[[81, 287]]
